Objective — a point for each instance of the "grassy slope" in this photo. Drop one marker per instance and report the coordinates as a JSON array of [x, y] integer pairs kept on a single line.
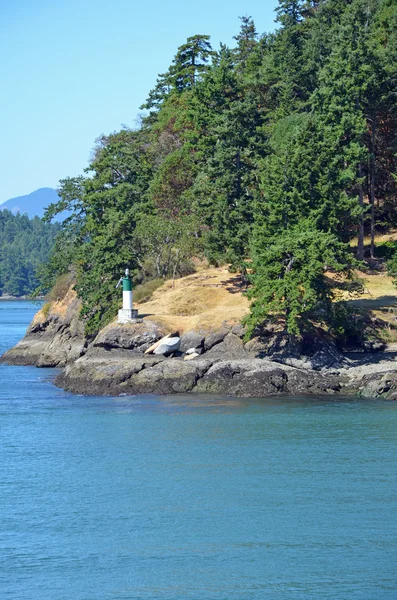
[[203, 301], [213, 297]]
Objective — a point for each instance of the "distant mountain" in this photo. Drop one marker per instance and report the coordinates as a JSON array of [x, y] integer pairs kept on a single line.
[[32, 204]]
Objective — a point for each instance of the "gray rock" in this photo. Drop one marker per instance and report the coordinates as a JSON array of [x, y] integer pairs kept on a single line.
[[327, 357], [379, 385], [231, 348], [214, 338], [139, 336], [168, 377], [275, 344], [256, 346], [104, 374], [114, 362], [247, 377], [373, 346], [239, 330], [191, 339], [52, 342]]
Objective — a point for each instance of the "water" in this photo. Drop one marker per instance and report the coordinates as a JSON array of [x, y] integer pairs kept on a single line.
[[184, 498]]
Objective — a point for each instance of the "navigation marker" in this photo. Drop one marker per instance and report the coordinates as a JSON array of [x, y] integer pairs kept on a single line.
[[127, 314]]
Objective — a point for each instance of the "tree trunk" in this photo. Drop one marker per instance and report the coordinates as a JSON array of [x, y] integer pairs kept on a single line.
[[360, 244], [372, 187], [176, 264]]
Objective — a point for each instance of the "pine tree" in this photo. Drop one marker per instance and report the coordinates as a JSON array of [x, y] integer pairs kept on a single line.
[[247, 39], [188, 66], [289, 12], [343, 99], [288, 278]]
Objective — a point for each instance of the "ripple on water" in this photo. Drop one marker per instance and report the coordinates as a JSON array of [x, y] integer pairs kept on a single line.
[[191, 498]]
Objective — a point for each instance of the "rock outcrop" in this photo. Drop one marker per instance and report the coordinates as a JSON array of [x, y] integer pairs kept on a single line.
[[54, 338], [120, 373], [219, 362]]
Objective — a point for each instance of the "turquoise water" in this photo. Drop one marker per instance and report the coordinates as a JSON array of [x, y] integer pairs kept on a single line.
[[183, 498]]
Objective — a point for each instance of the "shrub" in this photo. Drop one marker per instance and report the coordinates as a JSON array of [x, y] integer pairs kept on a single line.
[[45, 309], [61, 287], [386, 249], [144, 291]]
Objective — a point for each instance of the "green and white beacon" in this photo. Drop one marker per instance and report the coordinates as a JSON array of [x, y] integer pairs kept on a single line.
[[127, 314]]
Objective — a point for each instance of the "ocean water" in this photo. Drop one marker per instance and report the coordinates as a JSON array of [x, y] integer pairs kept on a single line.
[[191, 498]]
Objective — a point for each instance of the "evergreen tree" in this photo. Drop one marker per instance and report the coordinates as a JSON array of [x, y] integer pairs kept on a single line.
[[247, 40], [274, 153], [288, 279], [289, 12], [188, 66], [24, 244]]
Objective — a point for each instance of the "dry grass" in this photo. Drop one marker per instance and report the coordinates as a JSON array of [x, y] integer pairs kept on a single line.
[[61, 288], [213, 297], [202, 301], [379, 239], [379, 292], [380, 300], [57, 308]]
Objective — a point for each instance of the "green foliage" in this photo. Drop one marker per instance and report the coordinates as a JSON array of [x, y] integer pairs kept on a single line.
[[188, 67], [288, 280], [24, 244], [144, 291], [167, 245], [392, 268], [277, 151], [45, 309], [386, 250]]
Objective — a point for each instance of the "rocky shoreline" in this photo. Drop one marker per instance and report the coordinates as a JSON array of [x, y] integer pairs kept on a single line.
[[114, 362]]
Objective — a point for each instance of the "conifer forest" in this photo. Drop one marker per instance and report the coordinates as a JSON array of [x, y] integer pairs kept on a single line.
[[276, 156], [25, 245]]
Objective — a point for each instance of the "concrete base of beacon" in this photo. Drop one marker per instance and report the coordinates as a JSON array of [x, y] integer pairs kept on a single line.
[[127, 315]]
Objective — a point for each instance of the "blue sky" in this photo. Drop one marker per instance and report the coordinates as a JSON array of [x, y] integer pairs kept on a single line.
[[73, 69]]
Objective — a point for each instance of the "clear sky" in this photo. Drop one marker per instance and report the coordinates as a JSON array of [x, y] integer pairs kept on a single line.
[[73, 69]]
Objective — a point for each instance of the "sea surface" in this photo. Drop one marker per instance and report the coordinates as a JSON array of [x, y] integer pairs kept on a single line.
[[191, 498]]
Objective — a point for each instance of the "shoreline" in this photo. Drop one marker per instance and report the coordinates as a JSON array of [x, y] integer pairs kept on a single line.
[[114, 362], [38, 299]]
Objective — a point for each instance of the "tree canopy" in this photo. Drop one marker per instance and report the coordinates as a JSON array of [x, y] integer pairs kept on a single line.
[[273, 155], [24, 245]]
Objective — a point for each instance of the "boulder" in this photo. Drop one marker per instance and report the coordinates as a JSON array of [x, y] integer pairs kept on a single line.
[[239, 330], [379, 385], [153, 347], [191, 339], [168, 346], [230, 348], [134, 336], [104, 374], [373, 346], [214, 338], [168, 377]]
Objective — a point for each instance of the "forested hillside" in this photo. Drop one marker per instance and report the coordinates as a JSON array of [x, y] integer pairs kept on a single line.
[[271, 156], [24, 245]]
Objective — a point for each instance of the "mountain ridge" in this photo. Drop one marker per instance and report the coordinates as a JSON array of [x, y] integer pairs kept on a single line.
[[33, 204]]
